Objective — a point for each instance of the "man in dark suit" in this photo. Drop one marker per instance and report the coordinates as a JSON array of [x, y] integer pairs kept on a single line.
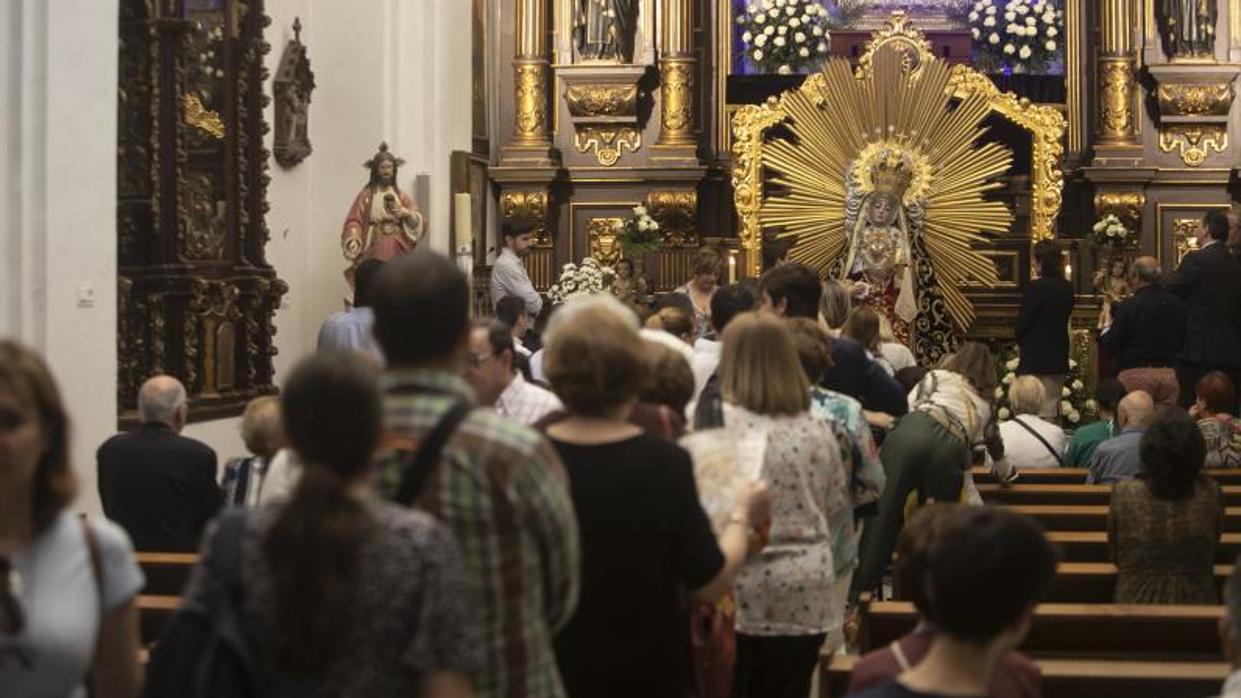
[[1043, 326], [1210, 282], [793, 290], [158, 485], [1146, 334]]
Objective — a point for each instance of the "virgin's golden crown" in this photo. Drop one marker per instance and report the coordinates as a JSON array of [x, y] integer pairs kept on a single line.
[[892, 172]]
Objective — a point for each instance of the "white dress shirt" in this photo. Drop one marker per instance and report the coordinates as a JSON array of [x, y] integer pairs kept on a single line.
[[526, 403], [509, 278]]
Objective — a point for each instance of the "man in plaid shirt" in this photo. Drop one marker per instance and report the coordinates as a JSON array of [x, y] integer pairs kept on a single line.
[[499, 485]]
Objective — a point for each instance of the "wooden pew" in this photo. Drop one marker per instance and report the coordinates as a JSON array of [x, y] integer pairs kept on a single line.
[[1091, 546], [1095, 582], [1181, 633], [1077, 476], [154, 612], [1023, 493], [1093, 517], [1083, 678], [166, 573]]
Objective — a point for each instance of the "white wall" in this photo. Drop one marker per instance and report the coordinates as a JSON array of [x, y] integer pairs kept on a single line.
[[58, 62], [395, 70]]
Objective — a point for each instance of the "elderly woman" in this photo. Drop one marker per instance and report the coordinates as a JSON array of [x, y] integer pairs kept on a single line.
[[263, 434], [1029, 440], [67, 586], [785, 596], [1216, 398], [1163, 527], [645, 538], [927, 455]]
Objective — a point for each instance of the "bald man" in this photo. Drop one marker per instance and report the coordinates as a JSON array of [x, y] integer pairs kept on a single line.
[[1146, 334], [158, 485], [1118, 458]]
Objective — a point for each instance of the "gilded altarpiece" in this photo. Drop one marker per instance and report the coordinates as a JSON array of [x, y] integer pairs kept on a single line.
[[197, 296]]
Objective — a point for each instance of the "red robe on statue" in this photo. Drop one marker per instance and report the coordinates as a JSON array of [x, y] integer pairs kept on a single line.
[[375, 228]]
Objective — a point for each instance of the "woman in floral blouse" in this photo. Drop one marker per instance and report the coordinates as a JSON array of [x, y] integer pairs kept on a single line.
[[1216, 398], [784, 597]]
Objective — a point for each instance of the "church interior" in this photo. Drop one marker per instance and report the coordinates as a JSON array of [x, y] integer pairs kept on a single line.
[[193, 187]]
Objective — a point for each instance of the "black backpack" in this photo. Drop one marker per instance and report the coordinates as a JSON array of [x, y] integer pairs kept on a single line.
[[205, 652]]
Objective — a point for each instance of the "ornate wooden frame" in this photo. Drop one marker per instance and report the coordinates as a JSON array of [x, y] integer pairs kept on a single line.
[[1046, 126]]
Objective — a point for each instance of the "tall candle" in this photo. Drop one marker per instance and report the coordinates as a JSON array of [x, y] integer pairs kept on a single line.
[[732, 268], [463, 231]]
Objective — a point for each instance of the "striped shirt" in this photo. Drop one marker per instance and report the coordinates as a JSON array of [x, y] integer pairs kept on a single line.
[[503, 491]]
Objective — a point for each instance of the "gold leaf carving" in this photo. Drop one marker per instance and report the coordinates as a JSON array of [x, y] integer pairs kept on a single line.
[[528, 206], [1116, 98], [601, 234], [677, 213], [602, 100], [1194, 142], [1125, 205], [1185, 236], [196, 115], [608, 143]]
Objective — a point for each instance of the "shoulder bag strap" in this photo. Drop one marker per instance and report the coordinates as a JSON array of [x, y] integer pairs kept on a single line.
[[1052, 451], [427, 456], [96, 567]]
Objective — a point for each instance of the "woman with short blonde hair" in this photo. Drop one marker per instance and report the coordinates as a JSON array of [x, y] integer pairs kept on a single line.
[[785, 605], [835, 305], [1029, 440]]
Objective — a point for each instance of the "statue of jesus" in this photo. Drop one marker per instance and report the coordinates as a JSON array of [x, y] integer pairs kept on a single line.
[[383, 221]]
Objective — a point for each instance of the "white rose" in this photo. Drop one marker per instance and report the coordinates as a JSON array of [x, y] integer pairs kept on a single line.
[[799, 38], [1065, 407], [1010, 15], [1078, 385], [1008, 379], [975, 33], [1052, 31], [817, 30], [1030, 21], [643, 226], [1065, 392], [1023, 9], [740, 19], [1004, 413], [989, 22], [1075, 417], [974, 16], [1012, 364], [1050, 45], [822, 47], [1009, 49], [990, 10], [769, 30], [993, 39], [757, 55], [1072, 363], [782, 31], [794, 23], [790, 10], [747, 37], [785, 70], [759, 19], [1092, 405], [804, 52], [761, 40], [639, 210], [1025, 52], [999, 393], [978, 6], [1049, 18], [654, 224], [779, 41], [768, 4]]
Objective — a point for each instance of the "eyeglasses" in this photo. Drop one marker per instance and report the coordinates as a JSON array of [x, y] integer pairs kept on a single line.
[[477, 360], [12, 617]]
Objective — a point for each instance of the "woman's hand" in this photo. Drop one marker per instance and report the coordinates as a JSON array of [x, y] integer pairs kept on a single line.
[[879, 420], [754, 503]]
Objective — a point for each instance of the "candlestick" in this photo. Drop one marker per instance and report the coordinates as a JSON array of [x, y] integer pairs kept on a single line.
[[732, 268]]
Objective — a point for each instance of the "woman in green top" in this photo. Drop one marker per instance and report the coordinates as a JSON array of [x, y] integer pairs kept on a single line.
[[1086, 439]]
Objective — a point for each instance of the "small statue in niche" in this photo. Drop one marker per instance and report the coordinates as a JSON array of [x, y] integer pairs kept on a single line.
[[292, 87], [383, 221], [1188, 27], [603, 30]]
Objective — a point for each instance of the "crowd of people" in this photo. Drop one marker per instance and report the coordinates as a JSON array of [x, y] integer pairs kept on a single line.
[[539, 504]]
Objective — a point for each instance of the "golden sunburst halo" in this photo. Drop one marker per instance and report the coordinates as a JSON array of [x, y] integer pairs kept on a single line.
[[838, 120]]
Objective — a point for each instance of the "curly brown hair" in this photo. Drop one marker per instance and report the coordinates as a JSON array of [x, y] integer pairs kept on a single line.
[[26, 375], [1172, 452]]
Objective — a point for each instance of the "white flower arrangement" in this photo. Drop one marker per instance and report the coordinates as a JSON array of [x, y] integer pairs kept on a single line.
[[784, 36], [1110, 232], [1075, 403], [1019, 35], [575, 280]]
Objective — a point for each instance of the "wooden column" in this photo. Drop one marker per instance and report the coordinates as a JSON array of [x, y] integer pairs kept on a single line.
[[1117, 76], [678, 68], [531, 132]]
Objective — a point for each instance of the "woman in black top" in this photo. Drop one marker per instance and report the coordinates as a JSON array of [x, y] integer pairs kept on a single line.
[[1043, 325], [645, 538]]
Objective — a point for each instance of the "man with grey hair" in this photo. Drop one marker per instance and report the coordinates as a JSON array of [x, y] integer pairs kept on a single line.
[[1146, 334], [1119, 458], [158, 485], [1230, 631]]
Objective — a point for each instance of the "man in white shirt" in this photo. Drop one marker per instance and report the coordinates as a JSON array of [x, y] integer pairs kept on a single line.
[[497, 384], [350, 330], [508, 274], [727, 303]]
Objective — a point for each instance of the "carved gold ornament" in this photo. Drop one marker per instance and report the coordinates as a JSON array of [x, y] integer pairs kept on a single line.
[[677, 213], [530, 206], [1125, 205], [608, 143], [1194, 142], [1195, 99], [677, 108], [196, 115], [601, 234], [906, 98], [531, 101], [1185, 236], [1116, 98], [602, 100]]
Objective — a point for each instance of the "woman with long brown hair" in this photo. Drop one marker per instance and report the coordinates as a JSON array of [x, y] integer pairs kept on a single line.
[[67, 587], [345, 594]]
